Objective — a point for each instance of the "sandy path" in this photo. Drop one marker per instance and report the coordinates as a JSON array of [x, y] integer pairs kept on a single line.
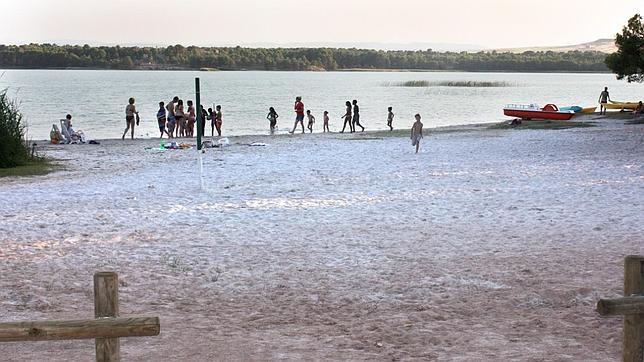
[[489, 245]]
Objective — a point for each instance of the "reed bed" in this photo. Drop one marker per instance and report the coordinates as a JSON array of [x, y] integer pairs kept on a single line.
[[449, 83]]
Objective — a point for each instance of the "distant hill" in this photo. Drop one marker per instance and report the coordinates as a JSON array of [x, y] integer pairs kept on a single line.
[[600, 45]]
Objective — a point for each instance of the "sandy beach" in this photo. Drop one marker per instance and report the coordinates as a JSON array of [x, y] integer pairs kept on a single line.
[[487, 245]]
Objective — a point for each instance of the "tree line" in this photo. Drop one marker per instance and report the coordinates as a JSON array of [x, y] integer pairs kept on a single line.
[[238, 58]]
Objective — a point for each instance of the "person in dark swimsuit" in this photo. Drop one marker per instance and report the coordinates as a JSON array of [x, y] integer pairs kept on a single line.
[[356, 116], [347, 118]]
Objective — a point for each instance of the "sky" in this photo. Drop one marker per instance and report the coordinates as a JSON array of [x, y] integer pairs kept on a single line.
[[471, 23]]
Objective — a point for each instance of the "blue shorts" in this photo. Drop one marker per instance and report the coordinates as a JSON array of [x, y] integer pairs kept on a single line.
[[299, 118]]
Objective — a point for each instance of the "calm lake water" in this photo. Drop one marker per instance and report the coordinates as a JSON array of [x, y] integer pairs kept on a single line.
[[97, 98]]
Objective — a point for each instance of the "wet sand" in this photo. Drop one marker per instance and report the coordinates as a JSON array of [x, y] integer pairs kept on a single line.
[[488, 245]]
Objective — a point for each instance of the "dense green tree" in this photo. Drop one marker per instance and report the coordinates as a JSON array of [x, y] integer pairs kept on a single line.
[[628, 61], [236, 58]]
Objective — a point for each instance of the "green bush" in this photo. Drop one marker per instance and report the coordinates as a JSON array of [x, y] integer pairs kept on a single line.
[[13, 147]]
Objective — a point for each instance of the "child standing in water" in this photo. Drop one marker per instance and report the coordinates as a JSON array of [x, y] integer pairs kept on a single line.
[[325, 125], [311, 121], [416, 132], [390, 118]]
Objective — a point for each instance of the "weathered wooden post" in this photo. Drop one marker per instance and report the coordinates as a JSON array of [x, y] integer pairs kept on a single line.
[[633, 323], [106, 328], [632, 307], [106, 304]]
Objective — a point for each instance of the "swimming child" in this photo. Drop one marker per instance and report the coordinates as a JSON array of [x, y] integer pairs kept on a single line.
[[272, 118], [325, 125], [390, 118], [416, 132], [311, 120]]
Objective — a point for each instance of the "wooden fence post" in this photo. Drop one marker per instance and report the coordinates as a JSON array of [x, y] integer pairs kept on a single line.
[[633, 323], [106, 304]]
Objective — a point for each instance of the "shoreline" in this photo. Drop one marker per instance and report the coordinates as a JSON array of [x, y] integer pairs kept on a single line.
[[396, 133]]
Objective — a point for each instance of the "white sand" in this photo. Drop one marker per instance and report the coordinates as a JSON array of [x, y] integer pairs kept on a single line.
[[488, 245]]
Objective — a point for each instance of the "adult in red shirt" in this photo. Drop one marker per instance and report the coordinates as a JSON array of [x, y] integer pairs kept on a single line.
[[299, 111]]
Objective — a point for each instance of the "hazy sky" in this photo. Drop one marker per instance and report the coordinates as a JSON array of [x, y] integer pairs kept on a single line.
[[487, 23]]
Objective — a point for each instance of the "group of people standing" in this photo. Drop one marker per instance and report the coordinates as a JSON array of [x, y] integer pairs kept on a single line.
[[174, 120], [351, 117]]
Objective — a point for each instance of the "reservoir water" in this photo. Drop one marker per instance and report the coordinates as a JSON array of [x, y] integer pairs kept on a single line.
[[97, 98]]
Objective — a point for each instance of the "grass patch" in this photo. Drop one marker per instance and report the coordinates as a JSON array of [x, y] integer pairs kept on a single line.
[[32, 168], [450, 83], [542, 125]]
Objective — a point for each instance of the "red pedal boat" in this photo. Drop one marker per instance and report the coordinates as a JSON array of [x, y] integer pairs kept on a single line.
[[532, 111]]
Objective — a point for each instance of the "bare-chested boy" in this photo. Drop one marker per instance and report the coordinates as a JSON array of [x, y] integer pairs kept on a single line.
[[416, 132]]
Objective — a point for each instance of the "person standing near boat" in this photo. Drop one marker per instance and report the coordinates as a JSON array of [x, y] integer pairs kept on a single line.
[[299, 114], [130, 112], [604, 98], [416, 132], [347, 118], [356, 116]]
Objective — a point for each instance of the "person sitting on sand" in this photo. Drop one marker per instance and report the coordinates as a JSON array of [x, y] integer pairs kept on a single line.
[[639, 110], [311, 120], [390, 118], [299, 114], [218, 119], [325, 124], [272, 118], [192, 117], [347, 118], [416, 132], [356, 116], [604, 98], [130, 112]]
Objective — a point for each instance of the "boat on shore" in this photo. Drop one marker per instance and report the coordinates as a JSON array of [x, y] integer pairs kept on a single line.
[[620, 105], [533, 111], [589, 109]]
